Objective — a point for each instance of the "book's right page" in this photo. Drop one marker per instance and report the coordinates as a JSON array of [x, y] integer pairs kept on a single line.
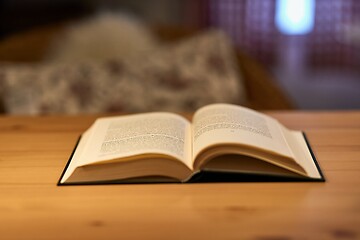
[[231, 125], [302, 152]]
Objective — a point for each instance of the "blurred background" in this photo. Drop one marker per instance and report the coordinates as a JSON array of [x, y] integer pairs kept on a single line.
[[309, 49]]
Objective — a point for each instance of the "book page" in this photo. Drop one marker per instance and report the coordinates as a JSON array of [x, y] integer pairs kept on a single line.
[[301, 151], [149, 133], [230, 124], [77, 155]]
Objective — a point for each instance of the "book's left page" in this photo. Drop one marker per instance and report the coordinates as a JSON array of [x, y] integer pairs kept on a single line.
[[125, 138]]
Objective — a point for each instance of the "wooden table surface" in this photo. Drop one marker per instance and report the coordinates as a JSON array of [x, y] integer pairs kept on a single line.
[[34, 151]]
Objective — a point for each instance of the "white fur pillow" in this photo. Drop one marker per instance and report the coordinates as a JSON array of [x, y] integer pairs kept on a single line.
[[101, 37]]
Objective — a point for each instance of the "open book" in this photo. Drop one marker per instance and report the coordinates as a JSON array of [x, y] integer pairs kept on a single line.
[[222, 140]]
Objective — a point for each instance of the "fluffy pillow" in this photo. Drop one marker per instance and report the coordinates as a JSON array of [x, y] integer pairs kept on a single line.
[[179, 77], [102, 36]]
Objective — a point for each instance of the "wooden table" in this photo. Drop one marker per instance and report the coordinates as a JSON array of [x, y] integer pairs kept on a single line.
[[34, 151]]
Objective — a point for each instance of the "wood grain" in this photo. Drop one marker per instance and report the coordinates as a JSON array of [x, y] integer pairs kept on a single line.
[[34, 151]]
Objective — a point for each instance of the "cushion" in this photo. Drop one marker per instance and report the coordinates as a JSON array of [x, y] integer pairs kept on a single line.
[[179, 77]]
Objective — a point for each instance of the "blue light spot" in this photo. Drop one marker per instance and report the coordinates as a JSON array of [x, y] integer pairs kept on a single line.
[[295, 16]]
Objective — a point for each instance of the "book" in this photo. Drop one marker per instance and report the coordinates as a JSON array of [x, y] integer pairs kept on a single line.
[[223, 142]]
